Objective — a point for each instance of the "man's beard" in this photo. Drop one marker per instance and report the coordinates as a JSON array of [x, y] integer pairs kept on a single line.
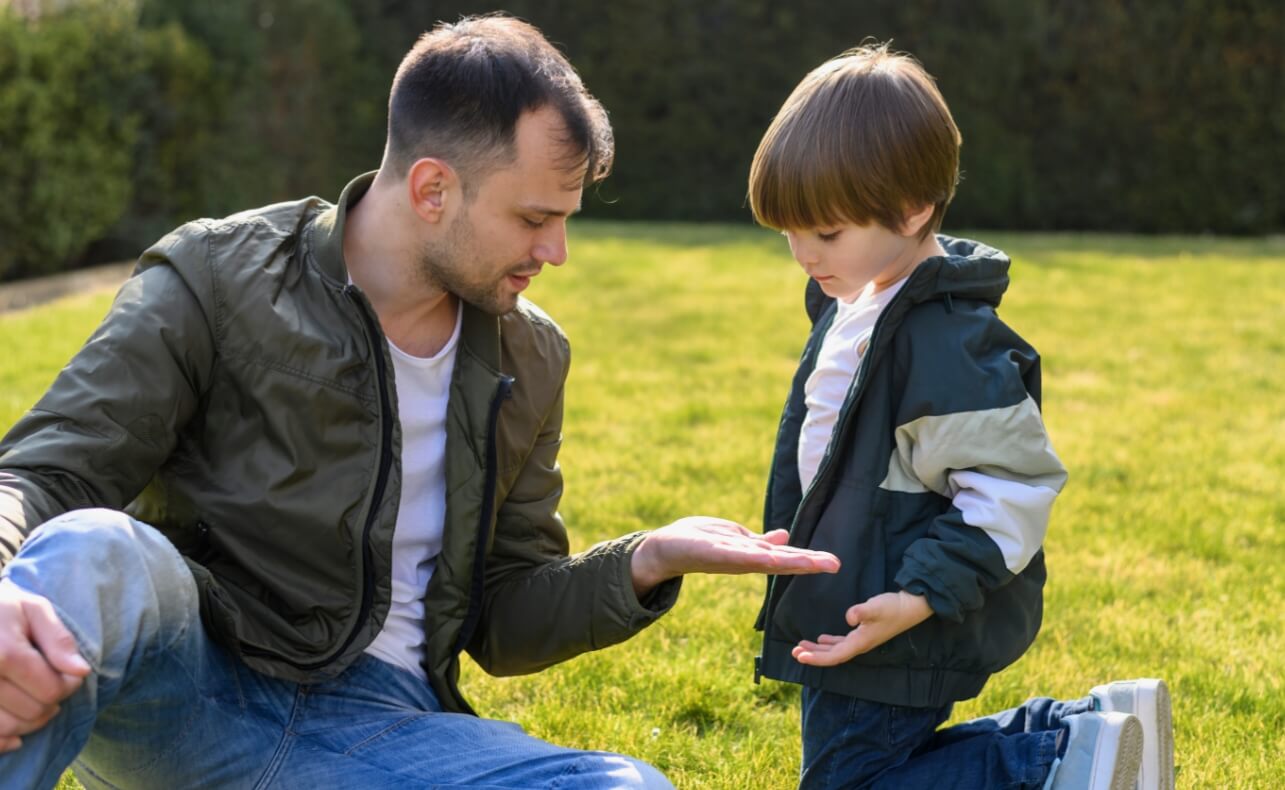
[[445, 265]]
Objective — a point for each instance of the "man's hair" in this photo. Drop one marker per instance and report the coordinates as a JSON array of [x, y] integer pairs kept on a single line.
[[460, 90], [864, 138]]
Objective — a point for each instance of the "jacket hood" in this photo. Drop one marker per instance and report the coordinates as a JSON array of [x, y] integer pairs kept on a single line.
[[969, 270]]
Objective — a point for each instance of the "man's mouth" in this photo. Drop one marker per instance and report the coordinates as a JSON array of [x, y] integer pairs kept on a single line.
[[520, 280]]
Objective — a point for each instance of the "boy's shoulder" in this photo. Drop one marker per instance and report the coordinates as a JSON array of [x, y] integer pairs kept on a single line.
[[952, 300]]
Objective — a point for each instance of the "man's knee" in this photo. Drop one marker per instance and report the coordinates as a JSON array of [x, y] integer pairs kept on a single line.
[[622, 771], [130, 551]]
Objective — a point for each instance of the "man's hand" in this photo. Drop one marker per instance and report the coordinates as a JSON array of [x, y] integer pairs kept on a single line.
[[874, 622], [40, 664], [701, 544]]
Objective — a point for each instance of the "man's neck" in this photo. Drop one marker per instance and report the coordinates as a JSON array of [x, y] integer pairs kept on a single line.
[[417, 317]]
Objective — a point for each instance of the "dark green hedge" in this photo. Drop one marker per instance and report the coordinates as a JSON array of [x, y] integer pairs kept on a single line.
[[120, 118]]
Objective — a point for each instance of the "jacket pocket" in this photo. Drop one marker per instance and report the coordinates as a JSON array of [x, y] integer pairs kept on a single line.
[[816, 604]]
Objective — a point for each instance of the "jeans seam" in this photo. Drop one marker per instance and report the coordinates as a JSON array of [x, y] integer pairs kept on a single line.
[[572, 769], [287, 740], [96, 665], [832, 763], [382, 733], [79, 765]]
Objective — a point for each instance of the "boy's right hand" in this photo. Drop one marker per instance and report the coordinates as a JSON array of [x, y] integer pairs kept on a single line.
[[40, 664], [874, 622]]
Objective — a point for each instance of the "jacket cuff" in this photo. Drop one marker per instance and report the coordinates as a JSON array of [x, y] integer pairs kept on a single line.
[[642, 613], [940, 600]]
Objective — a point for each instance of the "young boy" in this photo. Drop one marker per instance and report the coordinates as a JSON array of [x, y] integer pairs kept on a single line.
[[912, 447]]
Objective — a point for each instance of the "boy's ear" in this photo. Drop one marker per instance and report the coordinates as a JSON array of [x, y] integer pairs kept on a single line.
[[915, 219], [429, 185]]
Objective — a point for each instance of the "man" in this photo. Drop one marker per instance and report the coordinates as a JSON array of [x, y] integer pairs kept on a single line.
[[334, 434]]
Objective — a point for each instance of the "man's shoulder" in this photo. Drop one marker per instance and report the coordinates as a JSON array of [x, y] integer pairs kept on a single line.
[[262, 230], [532, 345], [532, 328], [230, 254]]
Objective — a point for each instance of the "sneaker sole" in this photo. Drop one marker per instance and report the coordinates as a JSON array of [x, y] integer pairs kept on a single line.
[[1127, 757], [1148, 699], [1154, 704]]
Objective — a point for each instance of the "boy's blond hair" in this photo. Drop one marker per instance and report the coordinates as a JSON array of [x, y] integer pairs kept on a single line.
[[865, 137]]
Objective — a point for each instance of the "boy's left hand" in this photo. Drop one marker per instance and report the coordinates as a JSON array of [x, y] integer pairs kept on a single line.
[[875, 622]]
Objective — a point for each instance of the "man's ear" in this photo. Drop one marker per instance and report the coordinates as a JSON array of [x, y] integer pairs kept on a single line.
[[433, 188], [915, 219]]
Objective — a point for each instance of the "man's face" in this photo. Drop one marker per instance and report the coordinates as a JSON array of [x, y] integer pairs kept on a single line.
[[515, 223]]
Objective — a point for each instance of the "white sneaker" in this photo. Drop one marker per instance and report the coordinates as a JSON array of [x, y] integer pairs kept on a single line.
[[1148, 699], [1103, 751]]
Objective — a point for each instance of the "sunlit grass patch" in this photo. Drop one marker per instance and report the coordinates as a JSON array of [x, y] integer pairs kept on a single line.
[[1164, 368]]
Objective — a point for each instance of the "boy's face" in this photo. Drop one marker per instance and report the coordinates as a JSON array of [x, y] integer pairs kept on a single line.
[[844, 259]]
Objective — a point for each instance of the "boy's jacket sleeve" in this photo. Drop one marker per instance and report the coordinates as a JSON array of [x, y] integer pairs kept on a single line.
[[981, 442], [111, 417]]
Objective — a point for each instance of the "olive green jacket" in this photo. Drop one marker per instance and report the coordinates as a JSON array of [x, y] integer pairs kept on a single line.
[[239, 396]]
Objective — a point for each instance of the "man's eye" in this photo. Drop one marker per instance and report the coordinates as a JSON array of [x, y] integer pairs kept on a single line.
[[531, 223]]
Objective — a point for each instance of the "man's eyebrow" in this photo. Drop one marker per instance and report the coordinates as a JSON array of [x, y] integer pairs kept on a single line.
[[553, 212]]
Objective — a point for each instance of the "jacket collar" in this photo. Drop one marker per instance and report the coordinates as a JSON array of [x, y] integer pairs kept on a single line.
[[479, 331], [968, 270]]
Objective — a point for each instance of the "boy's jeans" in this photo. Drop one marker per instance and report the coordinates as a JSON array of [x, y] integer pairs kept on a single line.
[[853, 743], [167, 708]]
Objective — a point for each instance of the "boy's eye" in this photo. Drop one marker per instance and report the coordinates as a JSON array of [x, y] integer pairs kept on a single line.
[[831, 236]]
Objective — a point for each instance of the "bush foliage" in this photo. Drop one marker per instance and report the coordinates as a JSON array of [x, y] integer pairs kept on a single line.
[[120, 118]]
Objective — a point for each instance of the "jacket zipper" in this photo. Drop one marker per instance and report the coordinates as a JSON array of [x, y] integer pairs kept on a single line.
[[502, 393], [858, 389], [372, 513]]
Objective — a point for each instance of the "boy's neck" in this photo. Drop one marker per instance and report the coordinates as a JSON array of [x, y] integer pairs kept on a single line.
[[905, 264]]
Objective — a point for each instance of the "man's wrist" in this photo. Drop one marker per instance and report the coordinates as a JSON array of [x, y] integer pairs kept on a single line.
[[645, 567]]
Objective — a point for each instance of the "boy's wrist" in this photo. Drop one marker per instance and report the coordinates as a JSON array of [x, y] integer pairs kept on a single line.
[[914, 606]]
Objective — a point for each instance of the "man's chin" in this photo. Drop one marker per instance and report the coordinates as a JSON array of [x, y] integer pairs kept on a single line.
[[498, 305]]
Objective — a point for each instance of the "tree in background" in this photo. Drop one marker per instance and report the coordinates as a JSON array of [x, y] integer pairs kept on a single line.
[[122, 118], [65, 155]]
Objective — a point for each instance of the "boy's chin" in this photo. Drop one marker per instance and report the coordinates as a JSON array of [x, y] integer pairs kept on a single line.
[[838, 290]]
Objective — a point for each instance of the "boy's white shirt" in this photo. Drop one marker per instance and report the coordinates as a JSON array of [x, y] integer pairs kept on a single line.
[[840, 356], [1013, 512], [423, 388]]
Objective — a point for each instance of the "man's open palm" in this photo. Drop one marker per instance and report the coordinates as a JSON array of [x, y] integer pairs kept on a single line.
[[703, 544]]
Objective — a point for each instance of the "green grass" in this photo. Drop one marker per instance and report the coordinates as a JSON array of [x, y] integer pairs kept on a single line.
[[1164, 364]]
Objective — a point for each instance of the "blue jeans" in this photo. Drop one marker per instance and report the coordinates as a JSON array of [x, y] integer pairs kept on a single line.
[[853, 743], [165, 707]]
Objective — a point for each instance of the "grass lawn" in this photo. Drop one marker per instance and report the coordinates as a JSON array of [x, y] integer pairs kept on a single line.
[[1164, 368]]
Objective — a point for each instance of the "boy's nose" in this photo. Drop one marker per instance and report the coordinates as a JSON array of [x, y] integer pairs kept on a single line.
[[804, 254]]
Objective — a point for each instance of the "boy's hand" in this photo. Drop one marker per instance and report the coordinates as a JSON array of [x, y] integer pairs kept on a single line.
[[875, 622]]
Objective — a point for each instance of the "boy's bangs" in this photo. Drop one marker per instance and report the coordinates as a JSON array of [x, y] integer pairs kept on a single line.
[[797, 184]]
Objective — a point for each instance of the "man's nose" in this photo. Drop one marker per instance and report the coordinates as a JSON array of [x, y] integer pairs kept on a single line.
[[551, 247]]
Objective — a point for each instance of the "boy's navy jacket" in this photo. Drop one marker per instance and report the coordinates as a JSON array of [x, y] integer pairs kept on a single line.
[[945, 390]]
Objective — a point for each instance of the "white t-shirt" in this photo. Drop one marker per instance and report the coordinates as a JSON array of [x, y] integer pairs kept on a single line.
[[423, 387], [840, 357]]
